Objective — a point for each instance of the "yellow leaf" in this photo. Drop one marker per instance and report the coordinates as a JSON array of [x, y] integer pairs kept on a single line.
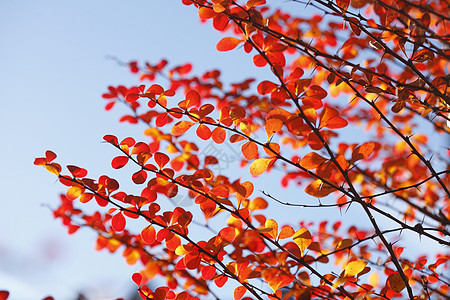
[[274, 226], [74, 192], [52, 169], [260, 165], [354, 267], [373, 279], [302, 238]]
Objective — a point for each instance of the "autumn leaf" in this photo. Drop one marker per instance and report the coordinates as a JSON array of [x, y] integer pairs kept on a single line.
[[227, 44], [218, 135], [272, 126], [319, 189], [260, 165], [148, 235], [118, 222], [181, 127], [396, 282], [312, 160], [239, 292], [119, 162], [363, 151], [250, 150], [303, 239], [273, 226], [354, 267], [137, 278]]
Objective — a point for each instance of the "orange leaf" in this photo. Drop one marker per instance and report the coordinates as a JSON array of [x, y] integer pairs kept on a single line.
[[280, 281], [303, 239], [354, 267], [181, 127], [312, 160], [250, 150], [228, 43], [260, 165], [173, 242], [220, 191], [286, 232], [239, 292], [330, 118], [363, 151], [148, 235], [218, 135], [422, 55], [266, 87], [319, 189], [203, 132], [272, 126]]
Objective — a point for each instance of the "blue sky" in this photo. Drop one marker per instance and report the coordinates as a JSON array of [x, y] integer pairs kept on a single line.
[[53, 71]]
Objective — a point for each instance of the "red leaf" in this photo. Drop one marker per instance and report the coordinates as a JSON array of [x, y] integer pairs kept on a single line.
[[208, 272], [76, 171], [192, 99], [118, 222], [132, 97], [4, 295], [220, 281], [148, 235], [220, 191], [50, 155], [228, 234], [137, 278], [161, 120], [343, 4], [139, 177], [129, 142], [119, 162], [203, 132], [161, 159], [228, 43], [111, 139], [266, 87]]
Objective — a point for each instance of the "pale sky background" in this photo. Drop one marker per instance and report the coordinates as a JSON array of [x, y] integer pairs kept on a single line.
[[53, 71]]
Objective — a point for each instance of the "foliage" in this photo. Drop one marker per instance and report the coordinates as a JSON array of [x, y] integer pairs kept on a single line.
[[359, 92]]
